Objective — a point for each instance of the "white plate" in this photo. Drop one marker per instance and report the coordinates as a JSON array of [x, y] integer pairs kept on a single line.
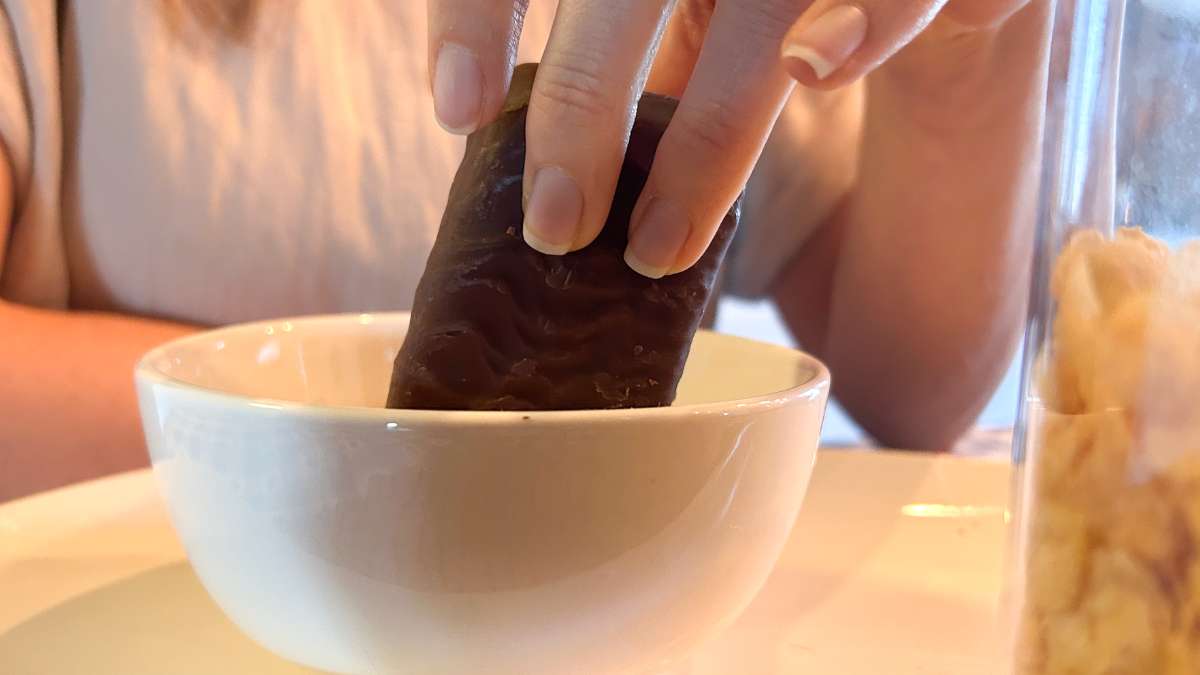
[[895, 566]]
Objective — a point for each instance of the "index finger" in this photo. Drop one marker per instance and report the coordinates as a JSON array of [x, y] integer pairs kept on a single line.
[[737, 91]]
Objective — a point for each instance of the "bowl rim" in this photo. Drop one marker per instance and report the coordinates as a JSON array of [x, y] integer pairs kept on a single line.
[[815, 387]]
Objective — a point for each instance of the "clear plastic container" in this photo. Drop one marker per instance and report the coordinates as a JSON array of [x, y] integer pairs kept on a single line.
[[1108, 448]]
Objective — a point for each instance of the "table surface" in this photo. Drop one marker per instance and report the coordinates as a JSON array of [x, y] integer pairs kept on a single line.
[[896, 565]]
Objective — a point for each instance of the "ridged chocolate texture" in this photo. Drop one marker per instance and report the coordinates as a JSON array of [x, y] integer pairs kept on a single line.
[[499, 326]]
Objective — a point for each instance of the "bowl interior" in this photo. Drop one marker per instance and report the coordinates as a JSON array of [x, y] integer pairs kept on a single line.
[[346, 361]]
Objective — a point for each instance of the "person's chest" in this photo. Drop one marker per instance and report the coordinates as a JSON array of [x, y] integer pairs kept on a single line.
[[304, 173]]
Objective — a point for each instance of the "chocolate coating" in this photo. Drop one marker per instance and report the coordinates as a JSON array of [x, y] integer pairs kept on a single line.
[[499, 326]]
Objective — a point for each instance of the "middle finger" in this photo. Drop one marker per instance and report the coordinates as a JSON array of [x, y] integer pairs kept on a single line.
[[580, 115]]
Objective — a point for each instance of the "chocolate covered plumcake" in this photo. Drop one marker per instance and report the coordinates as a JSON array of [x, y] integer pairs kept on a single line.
[[498, 326]]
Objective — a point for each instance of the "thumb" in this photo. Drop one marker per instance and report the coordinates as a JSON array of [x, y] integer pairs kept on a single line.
[[980, 14], [836, 42]]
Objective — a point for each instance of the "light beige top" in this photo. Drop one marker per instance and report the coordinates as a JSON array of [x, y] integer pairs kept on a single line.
[[213, 182]]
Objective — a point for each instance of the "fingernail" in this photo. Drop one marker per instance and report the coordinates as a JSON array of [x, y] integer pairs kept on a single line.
[[657, 238], [457, 89], [829, 42], [553, 212]]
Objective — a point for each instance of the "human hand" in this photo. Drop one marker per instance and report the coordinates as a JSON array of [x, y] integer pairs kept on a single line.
[[743, 57]]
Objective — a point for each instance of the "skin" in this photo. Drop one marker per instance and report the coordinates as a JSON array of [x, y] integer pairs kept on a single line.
[[949, 248], [70, 412], [912, 290], [922, 285]]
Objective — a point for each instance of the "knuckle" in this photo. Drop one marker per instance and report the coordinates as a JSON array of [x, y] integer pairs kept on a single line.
[[565, 90], [983, 15], [768, 19], [711, 129]]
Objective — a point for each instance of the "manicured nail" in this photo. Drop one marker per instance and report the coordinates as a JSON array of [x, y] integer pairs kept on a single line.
[[457, 89], [829, 42], [657, 238], [553, 212]]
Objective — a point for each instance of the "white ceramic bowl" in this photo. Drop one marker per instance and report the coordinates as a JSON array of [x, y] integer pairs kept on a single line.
[[357, 539]]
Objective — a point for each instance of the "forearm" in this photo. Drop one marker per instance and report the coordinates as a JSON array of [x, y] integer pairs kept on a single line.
[[919, 316], [67, 400]]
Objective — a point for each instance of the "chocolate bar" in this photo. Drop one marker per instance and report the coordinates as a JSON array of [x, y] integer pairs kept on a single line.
[[498, 326]]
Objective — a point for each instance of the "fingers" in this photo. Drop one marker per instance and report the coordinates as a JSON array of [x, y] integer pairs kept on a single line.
[[472, 46], [838, 41], [982, 13], [580, 114], [734, 97]]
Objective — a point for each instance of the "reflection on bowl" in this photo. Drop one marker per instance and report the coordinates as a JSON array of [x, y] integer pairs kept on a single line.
[[362, 540]]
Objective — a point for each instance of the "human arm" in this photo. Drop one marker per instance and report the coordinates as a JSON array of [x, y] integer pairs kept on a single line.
[[914, 290], [66, 388]]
